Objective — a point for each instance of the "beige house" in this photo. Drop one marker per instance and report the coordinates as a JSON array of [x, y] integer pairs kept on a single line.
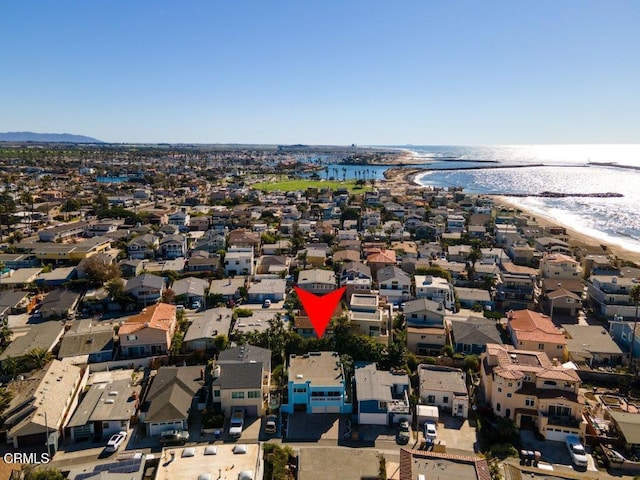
[[241, 379], [560, 266], [148, 333], [532, 390], [534, 331]]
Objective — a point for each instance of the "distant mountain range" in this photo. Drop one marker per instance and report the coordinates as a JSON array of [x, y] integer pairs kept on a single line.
[[46, 137]]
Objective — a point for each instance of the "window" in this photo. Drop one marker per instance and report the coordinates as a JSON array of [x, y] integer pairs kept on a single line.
[[541, 346], [132, 338], [237, 395], [498, 407], [509, 395], [445, 399], [431, 399], [382, 405], [529, 401], [253, 394], [216, 393], [299, 390], [105, 424], [550, 382], [499, 389], [559, 347], [559, 410], [510, 384]]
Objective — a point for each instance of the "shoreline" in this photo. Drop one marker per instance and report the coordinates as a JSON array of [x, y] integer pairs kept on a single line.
[[576, 239]]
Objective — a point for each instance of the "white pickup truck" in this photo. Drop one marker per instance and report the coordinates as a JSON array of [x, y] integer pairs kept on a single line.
[[237, 422]]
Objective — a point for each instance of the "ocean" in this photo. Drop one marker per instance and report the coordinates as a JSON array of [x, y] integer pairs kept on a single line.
[[530, 169], [564, 168]]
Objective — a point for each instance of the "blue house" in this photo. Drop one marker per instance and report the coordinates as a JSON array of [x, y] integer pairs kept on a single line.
[[316, 384], [382, 397], [620, 331]]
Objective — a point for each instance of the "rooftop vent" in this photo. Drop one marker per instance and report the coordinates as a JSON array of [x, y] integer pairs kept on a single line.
[[299, 376]]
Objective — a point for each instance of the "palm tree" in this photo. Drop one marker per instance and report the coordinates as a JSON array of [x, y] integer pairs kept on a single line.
[[39, 357], [634, 296]]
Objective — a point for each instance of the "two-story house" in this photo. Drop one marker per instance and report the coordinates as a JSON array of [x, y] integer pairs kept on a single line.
[[394, 284], [173, 246], [366, 317], [316, 384], [383, 397], [444, 387], [356, 277], [145, 288], [239, 261], [241, 379], [534, 331], [610, 295], [148, 333], [317, 281], [426, 334], [560, 266], [144, 246], [533, 391], [435, 288]]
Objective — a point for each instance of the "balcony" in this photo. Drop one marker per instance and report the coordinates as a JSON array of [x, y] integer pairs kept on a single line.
[[560, 420]]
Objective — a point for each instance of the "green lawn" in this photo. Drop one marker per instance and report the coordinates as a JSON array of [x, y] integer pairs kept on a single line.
[[303, 184]]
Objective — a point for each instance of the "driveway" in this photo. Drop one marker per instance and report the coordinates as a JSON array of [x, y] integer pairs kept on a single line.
[[302, 427], [457, 433], [554, 453]]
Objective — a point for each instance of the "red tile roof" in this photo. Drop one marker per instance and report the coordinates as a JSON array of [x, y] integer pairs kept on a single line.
[[535, 327], [160, 316]]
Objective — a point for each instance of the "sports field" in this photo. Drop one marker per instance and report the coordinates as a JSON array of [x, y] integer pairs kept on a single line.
[[303, 184]]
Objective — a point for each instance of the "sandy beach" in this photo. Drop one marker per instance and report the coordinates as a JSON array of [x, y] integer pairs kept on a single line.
[[406, 176]]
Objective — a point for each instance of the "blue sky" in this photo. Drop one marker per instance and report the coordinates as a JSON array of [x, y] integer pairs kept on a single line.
[[323, 72]]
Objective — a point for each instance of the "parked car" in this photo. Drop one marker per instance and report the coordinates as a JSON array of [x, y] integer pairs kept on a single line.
[[404, 433], [236, 423], [115, 441], [271, 425], [576, 450], [174, 437], [266, 304], [196, 305], [430, 431]]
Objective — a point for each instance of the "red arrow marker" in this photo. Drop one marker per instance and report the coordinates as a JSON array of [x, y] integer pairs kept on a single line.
[[319, 308]]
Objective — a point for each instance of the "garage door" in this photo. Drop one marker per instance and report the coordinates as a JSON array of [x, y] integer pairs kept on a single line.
[[251, 410], [321, 409], [372, 418], [557, 434], [158, 428]]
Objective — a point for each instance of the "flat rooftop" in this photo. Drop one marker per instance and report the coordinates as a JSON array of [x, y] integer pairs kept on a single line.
[[319, 368], [219, 461]]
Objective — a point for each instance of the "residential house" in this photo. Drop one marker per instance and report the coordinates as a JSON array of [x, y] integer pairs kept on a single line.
[[534, 391], [394, 284], [356, 277], [13, 302], [71, 253], [56, 277], [272, 266], [242, 238], [238, 261], [107, 407], [63, 232], [211, 242], [173, 246], [170, 399], [366, 317], [420, 464], [382, 397], [379, 259], [444, 387], [131, 268], [242, 379], [204, 327], [534, 331], [203, 263], [562, 302], [593, 345], [317, 281], [229, 288], [426, 334], [38, 411], [88, 342], [470, 297], [626, 427], [516, 288], [43, 336], [144, 246], [560, 266], [435, 288], [316, 255], [552, 245], [316, 384], [146, 288], [611, 295], [190, 290], [472, 335], [273, 289], [148, 333], [458, 253], [181, 220]]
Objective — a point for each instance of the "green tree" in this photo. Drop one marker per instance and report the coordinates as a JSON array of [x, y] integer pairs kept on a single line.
[[99, 272], [40, 473], [38, 357], [221, 342]]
